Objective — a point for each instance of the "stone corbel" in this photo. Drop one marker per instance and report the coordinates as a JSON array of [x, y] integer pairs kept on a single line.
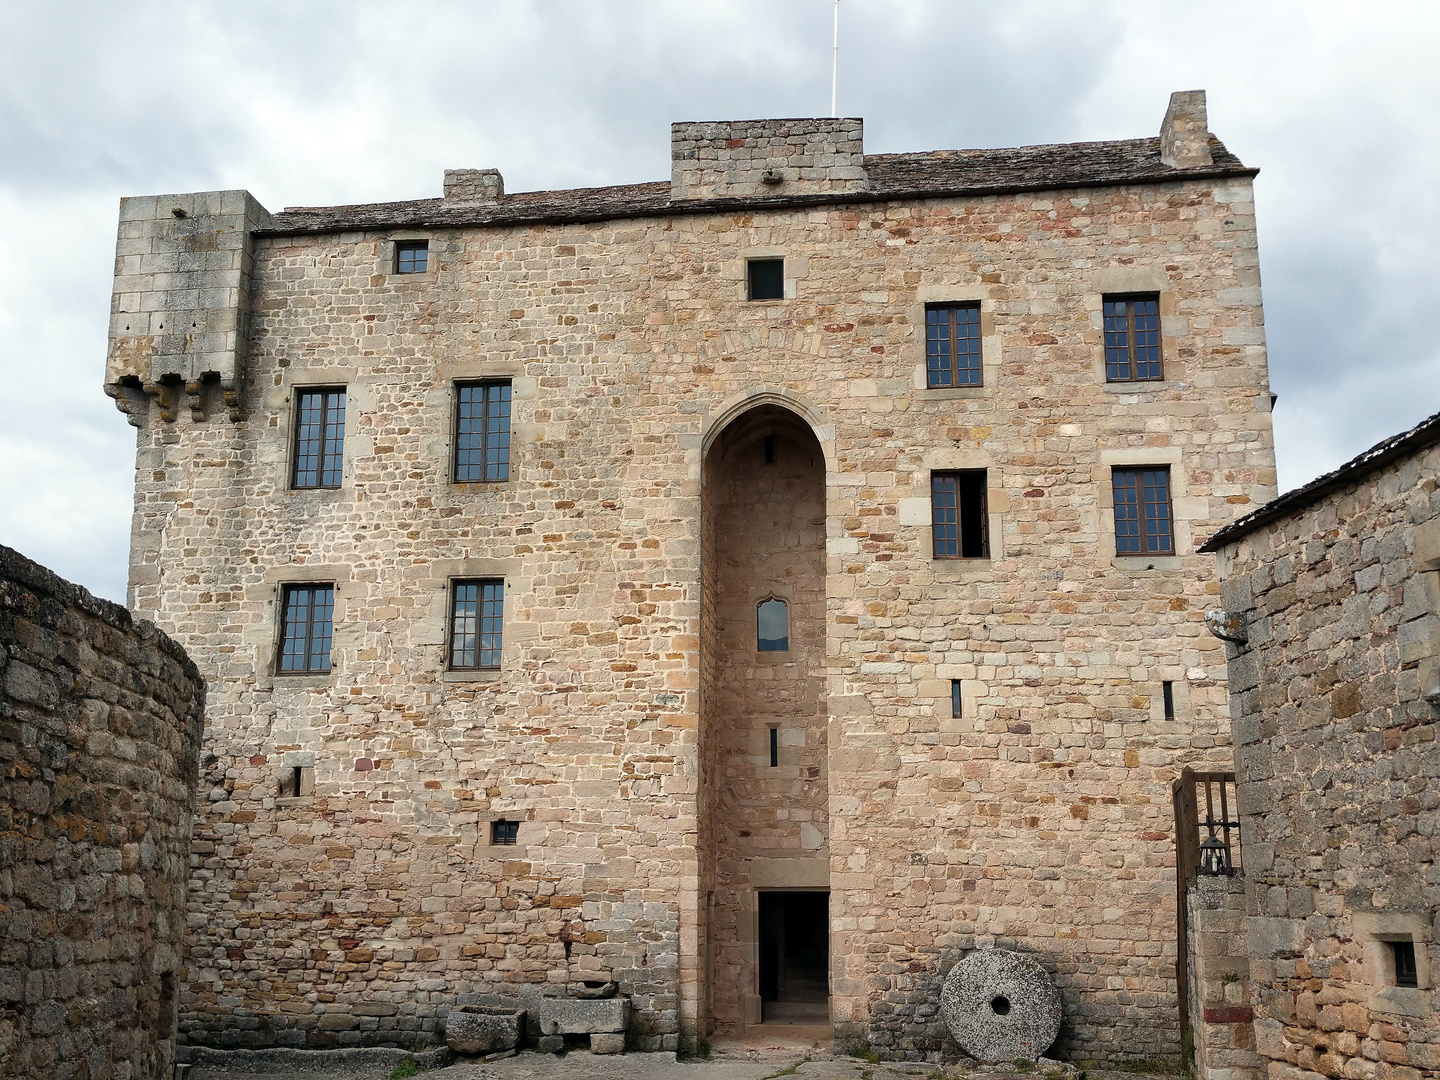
[[1227, 626]]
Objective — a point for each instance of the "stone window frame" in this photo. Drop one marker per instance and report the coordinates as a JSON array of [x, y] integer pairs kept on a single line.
[[443, 399], [283, 402], [345, 631], [927, 296], [304, 760], [915, 512], [1183, 508], [1117, 281], [797, 268], [972, 690], [1373, 931], [1136, 475], [297, 393], [438, 578], [387, 260], [413, 247], [455, 583], [527, 837], [960, 555], [758, 594]]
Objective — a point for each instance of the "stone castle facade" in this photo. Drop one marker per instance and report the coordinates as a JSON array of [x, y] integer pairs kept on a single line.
[[475, 513]]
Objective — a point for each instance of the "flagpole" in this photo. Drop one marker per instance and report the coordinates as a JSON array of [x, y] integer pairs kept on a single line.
[[835, 61]]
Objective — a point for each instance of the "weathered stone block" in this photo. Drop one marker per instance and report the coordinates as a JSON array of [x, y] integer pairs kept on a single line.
[[476, 1029], [574, 1016]]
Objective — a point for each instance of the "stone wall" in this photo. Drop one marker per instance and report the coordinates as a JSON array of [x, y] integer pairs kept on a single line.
[[1039, 820], [1218, 963], [748, 158], [1339, 774], [100, 728]]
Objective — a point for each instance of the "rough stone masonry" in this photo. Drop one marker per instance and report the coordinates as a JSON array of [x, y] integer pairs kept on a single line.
[[951, 753]]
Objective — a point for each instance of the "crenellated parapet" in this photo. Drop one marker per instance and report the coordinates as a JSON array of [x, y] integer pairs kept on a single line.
[[177, 315]]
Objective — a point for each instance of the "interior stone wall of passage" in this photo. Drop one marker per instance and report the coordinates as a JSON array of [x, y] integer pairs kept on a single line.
[[100, 727], [768, 522]]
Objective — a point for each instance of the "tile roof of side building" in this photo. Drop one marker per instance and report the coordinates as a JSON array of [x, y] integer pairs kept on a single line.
[[891, 176], [1420, 437]]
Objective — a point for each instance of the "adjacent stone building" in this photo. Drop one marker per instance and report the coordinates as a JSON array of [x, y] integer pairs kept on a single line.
[[100, 727], [1334, 593], [713, 586]]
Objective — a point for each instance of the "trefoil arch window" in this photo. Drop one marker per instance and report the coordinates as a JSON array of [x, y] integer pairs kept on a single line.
[[772, 625]]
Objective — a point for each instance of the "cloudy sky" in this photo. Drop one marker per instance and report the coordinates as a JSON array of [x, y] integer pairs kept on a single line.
[[308, 103]]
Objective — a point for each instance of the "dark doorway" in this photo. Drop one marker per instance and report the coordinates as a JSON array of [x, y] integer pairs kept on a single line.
[[795, 957]]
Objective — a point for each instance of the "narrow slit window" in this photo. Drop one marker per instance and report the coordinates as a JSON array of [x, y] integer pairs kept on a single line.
[[952, 345], [766, 279], [959, 525], [772, 626], [1406, 973], [1167, 690], [1132, 338], [319, 438], [504, 832], [477, 611], [957, 704], [774, 748], [1143, 523], [482, 432], [412, 256], [306, 628], [297, 775]]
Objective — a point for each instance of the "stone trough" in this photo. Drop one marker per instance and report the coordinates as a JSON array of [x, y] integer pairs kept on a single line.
[[478, 1029], [603, 1019]]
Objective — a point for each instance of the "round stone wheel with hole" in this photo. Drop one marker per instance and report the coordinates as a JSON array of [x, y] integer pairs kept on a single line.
[[1000, 1005]]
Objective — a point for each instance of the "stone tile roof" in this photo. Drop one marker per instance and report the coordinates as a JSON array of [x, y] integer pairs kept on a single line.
[[892, 176], [1422, 435]]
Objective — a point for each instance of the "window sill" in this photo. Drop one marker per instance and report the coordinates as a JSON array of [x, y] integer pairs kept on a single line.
[[399, 278], [300, 680], [502, 851], [776, 658], [1136, 387], [322, 494], [284, 802], [959, 568], [478, 487], [478, 675], [950, 393], [1138, 563]]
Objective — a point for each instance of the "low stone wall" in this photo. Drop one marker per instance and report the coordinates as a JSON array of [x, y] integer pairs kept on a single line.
[[100, 726]]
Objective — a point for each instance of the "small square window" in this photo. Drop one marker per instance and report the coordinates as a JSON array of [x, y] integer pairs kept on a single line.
[[767, 279], [952, 345], [412, 256], [504, 832], [476, 624], [1132, 338], [1143, 522], [306, 628], [319, 438], [959, 525]]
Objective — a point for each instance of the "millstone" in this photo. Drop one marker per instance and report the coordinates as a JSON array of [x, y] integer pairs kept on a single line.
[[1000, 1006]]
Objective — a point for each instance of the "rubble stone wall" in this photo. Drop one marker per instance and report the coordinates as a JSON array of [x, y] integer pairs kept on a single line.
[[1039, 820], [1338, 773], [1219, 969], [100, 729]]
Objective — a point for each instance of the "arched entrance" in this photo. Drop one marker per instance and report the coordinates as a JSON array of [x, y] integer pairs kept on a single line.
[[764, 827]]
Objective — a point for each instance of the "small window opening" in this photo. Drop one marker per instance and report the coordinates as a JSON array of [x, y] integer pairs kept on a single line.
[[769, 449], [772, 626], [504, 832], [412, 256], [767, 279], [1406, 973], [774, 748], [956, 702], [1168, 689], [297, 775], [957, 506]]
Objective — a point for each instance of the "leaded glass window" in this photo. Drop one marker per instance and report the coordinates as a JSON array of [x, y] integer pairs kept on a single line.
[[952, 345], [1143, 522], [306, 627], [319, 438], [482, 432], [476, 624], [1132, 338]]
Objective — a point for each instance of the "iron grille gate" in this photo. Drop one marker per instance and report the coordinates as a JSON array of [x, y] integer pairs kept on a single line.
[[1196, 821]]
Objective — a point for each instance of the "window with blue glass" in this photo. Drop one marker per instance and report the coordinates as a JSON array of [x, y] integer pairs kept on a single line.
[[476, 624], [959, 524], [952, 345], [482, 432], [772, 625], [1132, 338], [307, 626], [319, 438], [412, 256], [1143, 521]]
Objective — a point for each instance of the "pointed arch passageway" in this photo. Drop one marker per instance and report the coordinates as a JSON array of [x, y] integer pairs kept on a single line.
[[764, 822]]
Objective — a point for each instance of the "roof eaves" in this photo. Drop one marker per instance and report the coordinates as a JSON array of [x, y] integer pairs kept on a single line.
[[1421, 436]]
